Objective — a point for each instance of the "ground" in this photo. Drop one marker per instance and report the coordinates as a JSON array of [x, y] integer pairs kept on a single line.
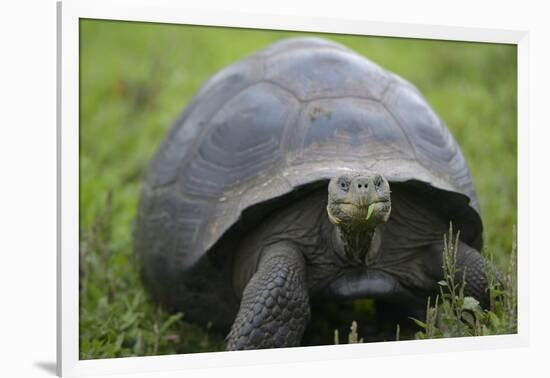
[[135, 78]]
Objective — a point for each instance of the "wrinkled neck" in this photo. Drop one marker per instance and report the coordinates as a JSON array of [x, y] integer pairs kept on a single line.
[[356, 243]]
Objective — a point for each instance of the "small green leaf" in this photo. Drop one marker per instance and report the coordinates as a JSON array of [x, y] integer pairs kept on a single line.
[[419, 323], [471, 304], [370, 210], [442, 283], [171, 320]]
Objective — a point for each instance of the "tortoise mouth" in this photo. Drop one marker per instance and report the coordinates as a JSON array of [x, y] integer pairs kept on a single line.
[[367, 213], [363, 205]]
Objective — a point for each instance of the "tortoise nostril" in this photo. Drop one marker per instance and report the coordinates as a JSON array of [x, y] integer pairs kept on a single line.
[[362, 183]]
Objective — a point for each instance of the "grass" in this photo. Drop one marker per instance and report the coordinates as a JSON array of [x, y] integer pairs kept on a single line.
[[135, 78], [452, 314]]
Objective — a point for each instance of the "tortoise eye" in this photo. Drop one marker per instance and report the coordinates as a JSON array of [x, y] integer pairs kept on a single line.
[[344, 184]]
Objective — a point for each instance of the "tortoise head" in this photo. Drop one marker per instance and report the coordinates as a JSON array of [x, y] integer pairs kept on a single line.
[[357, 203], [361, 199]]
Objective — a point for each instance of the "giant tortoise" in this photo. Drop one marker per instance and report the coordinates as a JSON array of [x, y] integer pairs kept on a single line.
[[303, 171]]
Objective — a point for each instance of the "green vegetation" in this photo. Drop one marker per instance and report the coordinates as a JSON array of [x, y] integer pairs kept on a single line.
[[453, 314], [135, 78]]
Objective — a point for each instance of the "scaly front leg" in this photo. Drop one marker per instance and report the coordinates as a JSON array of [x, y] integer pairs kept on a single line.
[[274, 309]]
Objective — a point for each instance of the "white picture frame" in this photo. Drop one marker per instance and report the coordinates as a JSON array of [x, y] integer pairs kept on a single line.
[[69, 13]]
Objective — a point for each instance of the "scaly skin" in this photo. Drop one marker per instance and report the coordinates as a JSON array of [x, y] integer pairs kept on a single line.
[[275, 305], [471, 262]]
